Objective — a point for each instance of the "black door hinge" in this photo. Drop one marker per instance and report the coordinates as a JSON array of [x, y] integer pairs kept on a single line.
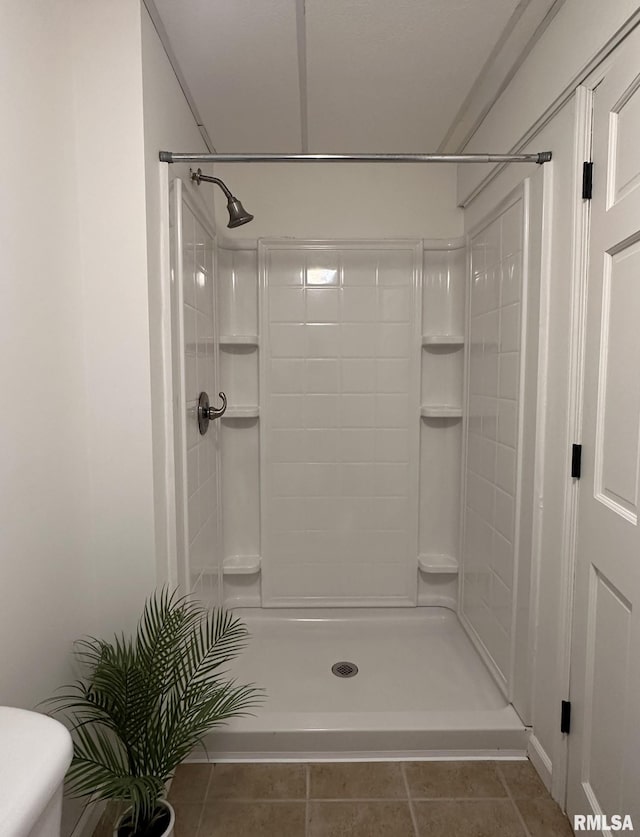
[[576, 461], [587, 181], [565, 717]]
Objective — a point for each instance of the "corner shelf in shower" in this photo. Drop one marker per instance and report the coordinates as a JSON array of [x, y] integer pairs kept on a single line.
[[241, 565], [437, 564], [231, 340], [249, 411], [442, 340], [440, 411]]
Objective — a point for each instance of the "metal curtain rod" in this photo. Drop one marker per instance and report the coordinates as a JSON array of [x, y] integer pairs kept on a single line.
[[173, 157]]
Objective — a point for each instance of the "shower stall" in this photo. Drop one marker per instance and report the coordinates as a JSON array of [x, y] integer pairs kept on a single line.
[[365, 500]]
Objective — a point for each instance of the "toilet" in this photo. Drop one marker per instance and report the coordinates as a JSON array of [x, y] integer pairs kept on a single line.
[[35, 753]]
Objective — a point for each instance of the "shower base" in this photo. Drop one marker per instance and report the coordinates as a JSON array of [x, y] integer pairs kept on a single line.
[[421, 690]]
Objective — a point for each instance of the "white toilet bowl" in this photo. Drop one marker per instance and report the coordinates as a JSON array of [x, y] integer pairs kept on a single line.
[[35, 752]]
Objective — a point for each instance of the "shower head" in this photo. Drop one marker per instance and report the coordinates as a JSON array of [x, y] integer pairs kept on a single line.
[[238, 215]]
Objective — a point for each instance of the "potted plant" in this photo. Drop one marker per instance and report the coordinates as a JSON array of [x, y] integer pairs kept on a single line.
[[147, 701]]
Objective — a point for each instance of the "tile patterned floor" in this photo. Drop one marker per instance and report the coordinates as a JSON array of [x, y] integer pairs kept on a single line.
[[372, 799]]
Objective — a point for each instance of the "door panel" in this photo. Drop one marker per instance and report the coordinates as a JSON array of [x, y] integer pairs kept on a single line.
[[617, 421], [604, 775]]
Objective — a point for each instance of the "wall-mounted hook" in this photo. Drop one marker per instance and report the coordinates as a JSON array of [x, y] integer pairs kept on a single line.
[[207, 413]]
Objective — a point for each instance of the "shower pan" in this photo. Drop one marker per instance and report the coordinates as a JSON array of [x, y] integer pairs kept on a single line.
[[367, 468]]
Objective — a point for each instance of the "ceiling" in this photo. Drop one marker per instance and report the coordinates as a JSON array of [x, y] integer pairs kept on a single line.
[[341, 75]]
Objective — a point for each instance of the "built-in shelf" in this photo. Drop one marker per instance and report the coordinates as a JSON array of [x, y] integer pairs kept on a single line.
[[239, 340], [248, 412], [440, 411], [437, 563], [442, 339], [241, 565]]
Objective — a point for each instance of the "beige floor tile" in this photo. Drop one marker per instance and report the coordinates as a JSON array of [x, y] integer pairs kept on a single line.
[[253, 819], [454, 779], [468, 818], [357, 780], [522, 780], [544, 818], [190, 783], [360, 819], [480, 809], [258, 781], [187, 818]]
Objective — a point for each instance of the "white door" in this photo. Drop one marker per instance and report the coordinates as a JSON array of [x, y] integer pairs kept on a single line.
[[604, 744], [194, 370]]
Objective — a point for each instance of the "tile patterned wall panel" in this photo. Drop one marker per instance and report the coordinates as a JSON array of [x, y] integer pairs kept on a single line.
[[237, 296], [340, 346], [443, 310], [199, 374], [491, 489]]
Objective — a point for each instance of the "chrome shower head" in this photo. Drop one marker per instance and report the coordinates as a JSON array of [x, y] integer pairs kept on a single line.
[[238, 215]]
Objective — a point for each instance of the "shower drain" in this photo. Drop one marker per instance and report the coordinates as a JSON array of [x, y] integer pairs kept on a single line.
[[344, 669]]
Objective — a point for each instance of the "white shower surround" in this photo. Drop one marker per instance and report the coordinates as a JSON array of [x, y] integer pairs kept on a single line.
[[459, 710], [340, 351], [493, 566], [195, 364], [434, 271]]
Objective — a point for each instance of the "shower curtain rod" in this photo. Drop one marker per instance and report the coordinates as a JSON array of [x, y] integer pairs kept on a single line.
[[174, 157]]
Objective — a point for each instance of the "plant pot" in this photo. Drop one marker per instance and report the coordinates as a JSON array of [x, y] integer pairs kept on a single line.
[[164, 829]]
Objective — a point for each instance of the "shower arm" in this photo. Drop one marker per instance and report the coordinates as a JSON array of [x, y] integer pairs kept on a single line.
[[198, 177], [177, 157]]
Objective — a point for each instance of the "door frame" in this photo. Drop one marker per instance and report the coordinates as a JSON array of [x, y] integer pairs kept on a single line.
[[577, 336], [581, 239]]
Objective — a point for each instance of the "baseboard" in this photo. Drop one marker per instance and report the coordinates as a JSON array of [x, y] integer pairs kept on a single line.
[[540, 760], [241, 757]]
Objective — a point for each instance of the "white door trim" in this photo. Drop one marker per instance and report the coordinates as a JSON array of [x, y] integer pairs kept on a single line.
[[577, 347], [577, 330]]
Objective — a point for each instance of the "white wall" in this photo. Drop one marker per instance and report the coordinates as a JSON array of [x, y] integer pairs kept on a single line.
[[77, 539], [579, 31], [46, 588], [112, 239], [77, 535], [168, 125], [342, 200]]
